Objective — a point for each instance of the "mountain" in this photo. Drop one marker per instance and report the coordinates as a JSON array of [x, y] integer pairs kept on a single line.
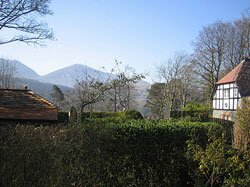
[[22, 71], [67, 76], [42, 88]]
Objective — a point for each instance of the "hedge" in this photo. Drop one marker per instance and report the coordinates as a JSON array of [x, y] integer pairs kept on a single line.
[[131, 114], [63, 117], [98, 153]]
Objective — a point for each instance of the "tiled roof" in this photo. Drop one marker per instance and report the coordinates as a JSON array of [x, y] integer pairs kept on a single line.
[[241, 75], [22, 98], [232, 75]]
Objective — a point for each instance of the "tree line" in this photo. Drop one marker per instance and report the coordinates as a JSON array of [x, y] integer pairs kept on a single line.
[[184, 78], [217, 49]]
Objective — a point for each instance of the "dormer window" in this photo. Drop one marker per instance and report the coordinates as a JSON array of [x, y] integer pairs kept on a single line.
[[226, 93]]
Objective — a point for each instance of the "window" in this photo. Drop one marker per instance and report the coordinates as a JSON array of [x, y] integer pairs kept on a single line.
[[235, 93], [226, 93]]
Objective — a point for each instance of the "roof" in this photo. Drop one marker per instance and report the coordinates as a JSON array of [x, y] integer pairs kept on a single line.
[[241, 76], [232, 75], [23, 98]]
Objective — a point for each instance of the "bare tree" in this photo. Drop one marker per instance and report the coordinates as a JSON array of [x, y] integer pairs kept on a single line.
[[218, 48], [188, 87], [175, 87], [123, 89], [7, 74], [172, 74], [237, 42], [209, 54], [92, 93], [25, 19], [89, 92]]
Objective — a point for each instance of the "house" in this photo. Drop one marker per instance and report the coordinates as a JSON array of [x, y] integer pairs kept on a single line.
[[24, 105], [230, 89]]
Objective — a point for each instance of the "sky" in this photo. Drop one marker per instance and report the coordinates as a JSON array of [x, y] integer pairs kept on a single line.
[[139, 33]]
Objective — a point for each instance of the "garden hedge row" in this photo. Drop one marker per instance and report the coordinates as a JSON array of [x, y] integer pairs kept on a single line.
[[99, 153], [130, 114]]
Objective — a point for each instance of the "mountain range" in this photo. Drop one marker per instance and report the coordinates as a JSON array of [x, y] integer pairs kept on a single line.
[[65, 78]]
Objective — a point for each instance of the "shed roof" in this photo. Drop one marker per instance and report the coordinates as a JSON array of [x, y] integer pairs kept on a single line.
[[23, 98]]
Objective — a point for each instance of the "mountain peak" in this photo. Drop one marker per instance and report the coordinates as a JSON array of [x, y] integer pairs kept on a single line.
[[22, 71], [67, 76]]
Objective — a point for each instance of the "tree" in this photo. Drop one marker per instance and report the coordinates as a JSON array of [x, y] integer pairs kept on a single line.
[[57, 95], [91, 91], [156, 100], [122, 93], [218, 48], [209, 54], [24, 19], [176, 87], [7, 74]]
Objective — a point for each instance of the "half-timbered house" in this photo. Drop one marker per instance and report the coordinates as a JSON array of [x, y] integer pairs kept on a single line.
[[230, 89]]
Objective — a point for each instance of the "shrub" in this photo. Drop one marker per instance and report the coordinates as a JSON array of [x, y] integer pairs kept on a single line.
[[242, 126], [133, 114], [63, 117], [199, 112], [99, 153], [218, 164]]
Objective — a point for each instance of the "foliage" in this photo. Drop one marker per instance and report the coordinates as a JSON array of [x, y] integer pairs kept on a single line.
[[218, 163], [130, 153], [242, 126], [196, 107], [197, 111], [156, 99], [243, 114], [57, 95], [133, 114], [63, 117], [130, 114]]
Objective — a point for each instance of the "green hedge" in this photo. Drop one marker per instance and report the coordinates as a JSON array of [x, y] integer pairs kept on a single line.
[[99, 153], [63, 117], [131, 114]]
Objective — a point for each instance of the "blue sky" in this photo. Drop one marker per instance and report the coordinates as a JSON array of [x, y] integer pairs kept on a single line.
[[140, 33]]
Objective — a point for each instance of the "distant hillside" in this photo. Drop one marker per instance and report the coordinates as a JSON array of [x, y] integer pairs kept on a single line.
[[41, 88], [67, 76], [22, 70]]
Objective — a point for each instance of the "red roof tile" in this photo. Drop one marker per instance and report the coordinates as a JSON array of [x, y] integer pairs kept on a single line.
[[232, 75]]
